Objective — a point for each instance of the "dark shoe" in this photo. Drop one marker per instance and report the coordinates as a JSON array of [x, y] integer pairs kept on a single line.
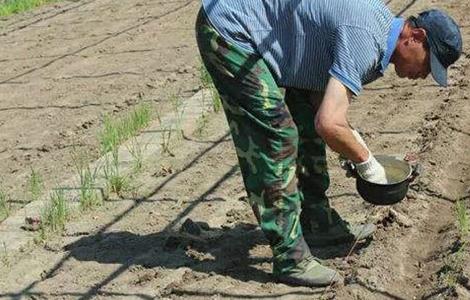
[[310, 272], [340, 233]]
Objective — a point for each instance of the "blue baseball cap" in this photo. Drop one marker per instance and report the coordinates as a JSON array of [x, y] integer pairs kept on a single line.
[[444, 40]]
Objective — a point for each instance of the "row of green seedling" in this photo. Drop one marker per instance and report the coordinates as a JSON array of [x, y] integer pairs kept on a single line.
[[452, 272], [116, 132], [35, 188]]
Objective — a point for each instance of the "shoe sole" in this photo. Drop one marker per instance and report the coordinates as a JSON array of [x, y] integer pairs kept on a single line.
[[335, 242], [301, 282]]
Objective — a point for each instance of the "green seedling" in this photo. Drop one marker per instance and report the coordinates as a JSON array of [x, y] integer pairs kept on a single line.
[[136, 150], [139, 118], [88, 193], [454, 264], [208, 84], [204, 76], [9, 7], [55, 213], [35, 185], [4, 205], [201, 126], [116, 182], [178, 110], [109, 137], [158, 115], [116, 131], [216, 101]]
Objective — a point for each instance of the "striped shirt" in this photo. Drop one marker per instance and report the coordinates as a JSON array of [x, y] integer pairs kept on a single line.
[[304, 42]]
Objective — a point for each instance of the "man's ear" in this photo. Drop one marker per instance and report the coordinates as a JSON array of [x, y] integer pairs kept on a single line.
[[419, 34]]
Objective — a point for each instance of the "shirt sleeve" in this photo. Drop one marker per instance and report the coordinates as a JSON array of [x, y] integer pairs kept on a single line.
[[355, 57]]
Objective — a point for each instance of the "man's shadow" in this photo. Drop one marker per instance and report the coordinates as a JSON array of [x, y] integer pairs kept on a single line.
[[196, 246], [212, 250]]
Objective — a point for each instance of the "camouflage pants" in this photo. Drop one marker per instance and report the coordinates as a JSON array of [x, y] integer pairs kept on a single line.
[[281, 157]]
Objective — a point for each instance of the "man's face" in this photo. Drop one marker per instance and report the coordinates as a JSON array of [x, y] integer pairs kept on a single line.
[[413, 57]]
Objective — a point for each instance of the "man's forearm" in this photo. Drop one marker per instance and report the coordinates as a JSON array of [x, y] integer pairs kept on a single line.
[[332, 125], [340, 139]]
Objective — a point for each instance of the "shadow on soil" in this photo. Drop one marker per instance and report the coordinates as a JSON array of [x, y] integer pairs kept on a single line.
[[208, 250], [225, 252]]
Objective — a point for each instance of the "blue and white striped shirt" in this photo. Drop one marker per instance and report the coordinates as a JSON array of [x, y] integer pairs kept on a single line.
[[304, 42]]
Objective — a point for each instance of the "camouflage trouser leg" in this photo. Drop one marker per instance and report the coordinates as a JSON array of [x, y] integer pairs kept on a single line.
[[312, 165], [265, 137]]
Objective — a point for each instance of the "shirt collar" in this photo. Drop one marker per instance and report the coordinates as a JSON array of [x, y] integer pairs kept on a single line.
[[393, 35]]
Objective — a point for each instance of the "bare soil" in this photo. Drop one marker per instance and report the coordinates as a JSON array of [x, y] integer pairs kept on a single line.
[[187, 231]]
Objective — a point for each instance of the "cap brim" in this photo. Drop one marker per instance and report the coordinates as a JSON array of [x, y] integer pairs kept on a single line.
[[439, 72]]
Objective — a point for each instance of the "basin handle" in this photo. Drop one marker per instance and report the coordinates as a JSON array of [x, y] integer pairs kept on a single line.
[[349, 167], [416, 170]]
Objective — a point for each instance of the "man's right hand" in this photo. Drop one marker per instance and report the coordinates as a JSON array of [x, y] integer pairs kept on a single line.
[[371, 170]]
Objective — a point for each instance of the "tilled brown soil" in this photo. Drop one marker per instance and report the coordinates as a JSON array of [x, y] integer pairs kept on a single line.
[[134, 247], [65, 66]]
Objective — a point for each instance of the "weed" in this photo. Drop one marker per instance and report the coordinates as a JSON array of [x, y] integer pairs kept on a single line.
[[166, 141], [35, 185], [4, 205], [55, 213], [88, 194], [9, 7]]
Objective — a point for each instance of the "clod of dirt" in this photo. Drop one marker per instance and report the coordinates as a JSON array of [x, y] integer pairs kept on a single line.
[[194, 228], [237, 215], [145, 277], [164, 171], [400, 218], [32, 224]]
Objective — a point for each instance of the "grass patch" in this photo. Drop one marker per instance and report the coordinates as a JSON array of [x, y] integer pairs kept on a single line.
[[116, 131], [54, 215], [115, 181], [88, 194], [35, 185], [9, 7]]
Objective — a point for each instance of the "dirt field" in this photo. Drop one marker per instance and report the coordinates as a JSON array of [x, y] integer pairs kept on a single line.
[[64, 66]]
